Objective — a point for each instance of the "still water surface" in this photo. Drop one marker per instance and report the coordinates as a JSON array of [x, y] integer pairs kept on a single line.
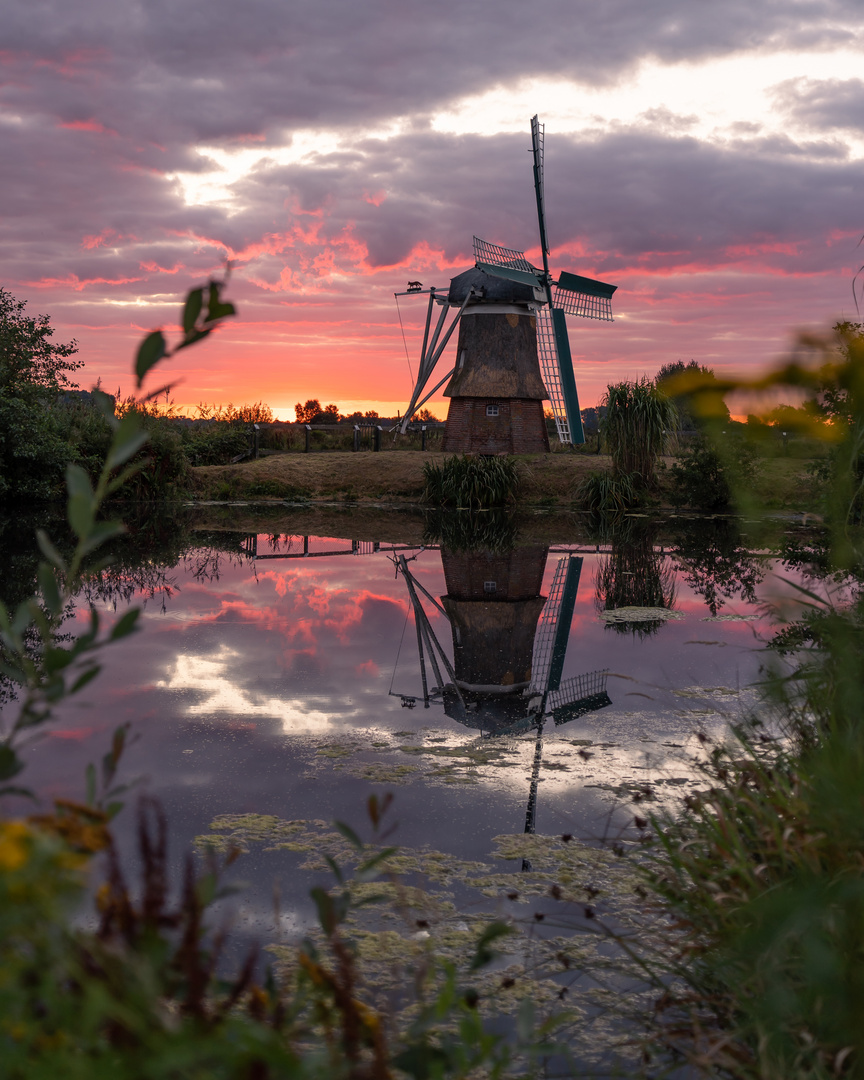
[[285, 678]]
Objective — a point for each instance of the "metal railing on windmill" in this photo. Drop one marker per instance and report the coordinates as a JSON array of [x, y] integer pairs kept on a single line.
[[513, 350], [508, 651]]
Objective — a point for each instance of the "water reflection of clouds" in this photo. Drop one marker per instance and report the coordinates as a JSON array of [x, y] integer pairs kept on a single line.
[[215, 679]]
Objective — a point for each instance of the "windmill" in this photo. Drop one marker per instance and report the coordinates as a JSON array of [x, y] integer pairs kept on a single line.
[[509, 645], [509, 642], [512, 326]]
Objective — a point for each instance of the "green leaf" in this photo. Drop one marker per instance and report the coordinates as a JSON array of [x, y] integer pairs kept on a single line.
[[349, 834], [78, 482], [80, 506], [56, 659], [192, 337], [10, 763], [120, 479], [85, 677], [192, 309], [100, 532], [80, 514], [90, 785], [150, 352], [48, 588], [105, 404], [49, 551], [525, 1020], [423, 1061], [334, 866], [367, 871], [326, 910], [483, 954], [21, 792], [127, 624], [128, 440], [216, 309]]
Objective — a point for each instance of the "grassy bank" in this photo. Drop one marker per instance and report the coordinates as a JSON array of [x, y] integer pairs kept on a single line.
[[397, 477]]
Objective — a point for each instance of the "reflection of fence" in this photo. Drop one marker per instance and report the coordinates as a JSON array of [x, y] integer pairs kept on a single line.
[[297, 547]]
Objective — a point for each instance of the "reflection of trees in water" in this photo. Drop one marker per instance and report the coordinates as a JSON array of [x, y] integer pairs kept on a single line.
[[714, 561], [633, 574], [143, 561]]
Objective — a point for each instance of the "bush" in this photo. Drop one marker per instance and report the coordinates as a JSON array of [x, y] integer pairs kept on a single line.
[[470, 482], [216, 443], [705, 478]]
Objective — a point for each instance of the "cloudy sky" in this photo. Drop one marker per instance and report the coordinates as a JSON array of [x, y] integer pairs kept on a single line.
[[706, 157]]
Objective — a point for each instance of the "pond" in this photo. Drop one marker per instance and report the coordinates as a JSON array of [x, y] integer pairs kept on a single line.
[[545, 682]]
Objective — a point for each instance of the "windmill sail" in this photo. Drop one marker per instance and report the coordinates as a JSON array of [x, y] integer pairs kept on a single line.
[[501, 257], [584, 296], [537, 145]]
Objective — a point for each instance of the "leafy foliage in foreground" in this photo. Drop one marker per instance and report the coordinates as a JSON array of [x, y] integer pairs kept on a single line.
[[765, 869]]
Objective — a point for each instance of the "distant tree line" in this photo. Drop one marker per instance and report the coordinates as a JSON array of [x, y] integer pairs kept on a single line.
[[312, 412]]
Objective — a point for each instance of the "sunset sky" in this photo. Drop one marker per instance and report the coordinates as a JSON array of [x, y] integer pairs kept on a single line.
[[706, 157]]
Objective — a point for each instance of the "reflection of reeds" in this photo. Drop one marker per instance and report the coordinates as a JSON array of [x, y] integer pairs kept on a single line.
[[460, 530], [633, 574]]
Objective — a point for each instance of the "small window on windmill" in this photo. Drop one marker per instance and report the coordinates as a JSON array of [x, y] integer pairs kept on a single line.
[[491, 410], [490, 586]]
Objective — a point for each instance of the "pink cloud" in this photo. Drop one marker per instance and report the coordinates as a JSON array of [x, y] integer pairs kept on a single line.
[[87, 125]]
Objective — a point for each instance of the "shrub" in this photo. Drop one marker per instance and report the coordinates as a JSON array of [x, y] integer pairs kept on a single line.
[[471, 482], [216, 443], [706, 478]]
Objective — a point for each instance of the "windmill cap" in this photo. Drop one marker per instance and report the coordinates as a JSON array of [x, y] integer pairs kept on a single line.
[[494, 290]]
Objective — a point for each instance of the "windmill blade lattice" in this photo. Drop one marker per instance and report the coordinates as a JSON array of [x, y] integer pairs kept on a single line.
[[496, 255], [584, 296], [547, 353]]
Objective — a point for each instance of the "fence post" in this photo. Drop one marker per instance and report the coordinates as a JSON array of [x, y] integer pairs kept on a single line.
[[256, 437], [356, 437], [423, 437], [308, 433], [376, 446]]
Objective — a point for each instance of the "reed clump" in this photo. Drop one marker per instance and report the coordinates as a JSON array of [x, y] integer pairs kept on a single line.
[[607, 493], [471, 482], [640, 421]]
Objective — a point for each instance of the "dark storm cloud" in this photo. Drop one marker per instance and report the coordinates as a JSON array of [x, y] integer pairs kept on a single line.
[[624, 196], [824, 103], [162, 72]]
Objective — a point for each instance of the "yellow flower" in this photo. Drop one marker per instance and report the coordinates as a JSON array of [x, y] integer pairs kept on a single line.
[[15, 840]]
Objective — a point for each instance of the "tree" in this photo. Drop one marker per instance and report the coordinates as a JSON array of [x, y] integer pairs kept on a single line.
[[305, 413], [28, 357], [686, 420]]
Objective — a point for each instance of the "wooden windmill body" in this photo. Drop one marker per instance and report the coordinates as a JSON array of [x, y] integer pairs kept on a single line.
[[496, 392]]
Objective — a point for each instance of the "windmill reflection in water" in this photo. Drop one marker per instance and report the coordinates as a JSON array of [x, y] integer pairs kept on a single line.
[[509, 646]]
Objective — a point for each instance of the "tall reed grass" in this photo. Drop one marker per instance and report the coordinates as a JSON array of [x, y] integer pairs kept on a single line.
[[471, 482], [640, 423]]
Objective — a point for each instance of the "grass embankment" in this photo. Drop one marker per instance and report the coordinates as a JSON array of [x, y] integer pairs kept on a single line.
[[397, 477]]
